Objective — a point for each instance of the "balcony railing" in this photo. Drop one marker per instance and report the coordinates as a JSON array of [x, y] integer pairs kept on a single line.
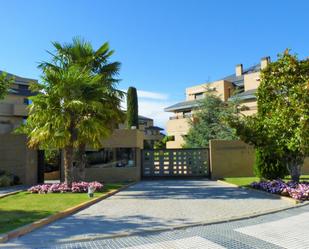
[[188, 115]]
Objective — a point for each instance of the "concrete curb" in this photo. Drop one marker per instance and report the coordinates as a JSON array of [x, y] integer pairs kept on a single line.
[[42, 222], [285, 198], [11, 193]]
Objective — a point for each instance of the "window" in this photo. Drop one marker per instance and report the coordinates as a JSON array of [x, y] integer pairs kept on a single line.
[[198, 95], [23, 87], [229, 92], [112, 157]]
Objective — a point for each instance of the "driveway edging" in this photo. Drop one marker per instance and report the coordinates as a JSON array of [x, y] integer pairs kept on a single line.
[[62, 214]]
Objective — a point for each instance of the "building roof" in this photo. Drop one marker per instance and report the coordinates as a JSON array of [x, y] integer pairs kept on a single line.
[[185, 105], [239, 80], [140, 117], [154, 128], [236, 80], [23, 82], [20, 80], [250, 94]]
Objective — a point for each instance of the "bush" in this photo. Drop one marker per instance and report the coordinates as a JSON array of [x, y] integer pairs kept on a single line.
[[5, 181], [76, 187], [269, 165]]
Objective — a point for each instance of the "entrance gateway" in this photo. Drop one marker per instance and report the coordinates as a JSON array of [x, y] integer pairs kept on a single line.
[[175, 163]]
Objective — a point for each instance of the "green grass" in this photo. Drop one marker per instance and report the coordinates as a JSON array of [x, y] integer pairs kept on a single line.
[[245, 181], [24, 208]]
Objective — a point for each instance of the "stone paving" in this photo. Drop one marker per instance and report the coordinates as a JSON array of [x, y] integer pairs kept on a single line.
[[231, 235], [152, 205]]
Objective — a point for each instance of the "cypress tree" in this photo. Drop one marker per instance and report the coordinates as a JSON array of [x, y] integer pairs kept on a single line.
[[132, 108]]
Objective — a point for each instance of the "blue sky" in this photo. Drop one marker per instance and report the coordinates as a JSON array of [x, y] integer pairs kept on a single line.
[[164, 46]]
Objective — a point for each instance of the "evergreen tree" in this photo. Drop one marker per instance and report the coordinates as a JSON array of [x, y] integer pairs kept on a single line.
[[209, 122], [132, 108]]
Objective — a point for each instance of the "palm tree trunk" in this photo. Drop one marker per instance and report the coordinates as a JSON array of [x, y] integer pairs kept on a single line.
[[68, 164], [81, 161]]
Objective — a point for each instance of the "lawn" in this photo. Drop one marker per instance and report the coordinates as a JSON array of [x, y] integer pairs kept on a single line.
[[24, 208], [245, 181]]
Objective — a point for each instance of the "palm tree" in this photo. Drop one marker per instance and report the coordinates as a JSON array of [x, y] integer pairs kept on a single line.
[[78, 104], [81, 53]]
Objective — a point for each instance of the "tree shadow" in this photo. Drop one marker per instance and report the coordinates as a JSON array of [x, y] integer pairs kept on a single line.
[[190, 189], [90, 227]]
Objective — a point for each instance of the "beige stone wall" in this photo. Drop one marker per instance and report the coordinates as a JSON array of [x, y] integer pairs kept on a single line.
[[230, 159], [235, 158], [177, 128], [220, 88], [177, 143], [251, 81], [16, 158], [125, 139]]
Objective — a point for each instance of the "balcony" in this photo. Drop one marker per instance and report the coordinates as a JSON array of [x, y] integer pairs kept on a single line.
[[183, 116], [20, 110]]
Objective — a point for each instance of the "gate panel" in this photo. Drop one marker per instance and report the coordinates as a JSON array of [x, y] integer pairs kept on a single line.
[[175, 162]]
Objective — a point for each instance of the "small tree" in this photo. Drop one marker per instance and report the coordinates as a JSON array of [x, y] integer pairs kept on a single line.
[[209, 122], [132, 108], [281, 125], [5, 83]]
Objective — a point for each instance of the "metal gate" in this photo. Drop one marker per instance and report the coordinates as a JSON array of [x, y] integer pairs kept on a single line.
[[175, 162]]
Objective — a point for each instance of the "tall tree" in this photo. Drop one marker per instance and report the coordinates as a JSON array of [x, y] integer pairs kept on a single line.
[[78, 104], [132, 108], [81, 53], [281, 125], [209, 122]]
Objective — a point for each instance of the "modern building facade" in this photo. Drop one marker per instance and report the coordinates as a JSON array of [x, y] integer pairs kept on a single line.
[[244, 81], [13, 108], [152, 133]]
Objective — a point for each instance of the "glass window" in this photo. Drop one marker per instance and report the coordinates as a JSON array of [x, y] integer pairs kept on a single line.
[[23, 87], [199, 95], [112, 157]]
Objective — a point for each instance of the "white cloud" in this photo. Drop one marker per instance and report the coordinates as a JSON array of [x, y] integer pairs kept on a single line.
[[152, 104], [155, 110], [151, 95]]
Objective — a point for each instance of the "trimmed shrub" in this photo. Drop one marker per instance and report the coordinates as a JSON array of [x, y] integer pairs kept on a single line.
[[269, 165]]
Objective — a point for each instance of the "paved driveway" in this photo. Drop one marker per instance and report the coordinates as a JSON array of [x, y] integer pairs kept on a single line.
[[151, 205]]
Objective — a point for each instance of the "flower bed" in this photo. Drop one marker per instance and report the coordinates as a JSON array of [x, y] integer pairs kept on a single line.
[[76, 187], [298, 191]]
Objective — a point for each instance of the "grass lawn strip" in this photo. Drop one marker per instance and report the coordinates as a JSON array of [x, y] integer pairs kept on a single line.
[[24, 208], [246, 181]]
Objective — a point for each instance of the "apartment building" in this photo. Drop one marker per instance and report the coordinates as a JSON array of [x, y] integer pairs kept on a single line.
[[152, 133], [245, 81], [13, 108]]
